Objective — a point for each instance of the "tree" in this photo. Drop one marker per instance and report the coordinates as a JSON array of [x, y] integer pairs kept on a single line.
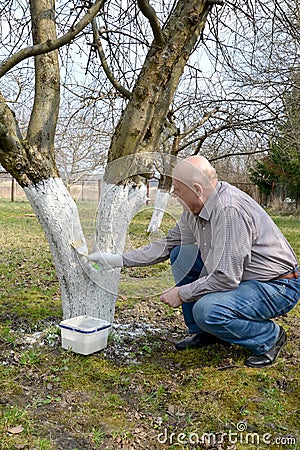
[[282, 163], [31, 159], [242, 109], [145, 71], [239, 108]]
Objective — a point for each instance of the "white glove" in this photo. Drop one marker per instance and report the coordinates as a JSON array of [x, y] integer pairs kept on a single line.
[[108, 260]]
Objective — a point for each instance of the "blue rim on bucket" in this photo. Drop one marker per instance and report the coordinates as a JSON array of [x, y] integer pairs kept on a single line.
[[85, 324], [84, 331]]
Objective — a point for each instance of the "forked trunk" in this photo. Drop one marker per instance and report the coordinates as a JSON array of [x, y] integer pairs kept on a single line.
[[84, 289], [31, 161]]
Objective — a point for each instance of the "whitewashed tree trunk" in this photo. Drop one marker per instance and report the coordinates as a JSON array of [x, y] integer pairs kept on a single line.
[[118, 205], [31, 160], [84, 289], [161, 201]]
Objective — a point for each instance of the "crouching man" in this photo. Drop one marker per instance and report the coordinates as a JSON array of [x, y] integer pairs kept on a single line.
[[234, 270]]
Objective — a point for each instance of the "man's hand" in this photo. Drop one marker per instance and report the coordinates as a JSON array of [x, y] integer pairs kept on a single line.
[[107, 260], [171, 297]]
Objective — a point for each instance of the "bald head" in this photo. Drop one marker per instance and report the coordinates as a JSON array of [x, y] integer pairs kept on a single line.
[[194, 179], [196, 169]]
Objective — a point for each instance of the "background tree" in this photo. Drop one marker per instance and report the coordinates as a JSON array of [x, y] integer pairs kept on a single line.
[[81, 149], [282, 163]]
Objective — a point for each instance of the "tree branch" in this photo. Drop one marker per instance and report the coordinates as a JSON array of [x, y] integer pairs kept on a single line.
[[17, 156], [149, 12], [215, 2], [10, 134], [44, 114], [51, 45], [228, 155], [201, 122], [108, 72], [227, 126]]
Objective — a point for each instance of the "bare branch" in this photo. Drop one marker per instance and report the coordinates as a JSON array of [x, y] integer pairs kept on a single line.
[[201, 122], [229, 155], [215, 2], [108, 72], [51, 45], [149, 12]]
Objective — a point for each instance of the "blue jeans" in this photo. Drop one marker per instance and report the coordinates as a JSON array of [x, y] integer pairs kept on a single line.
[[241, 316]]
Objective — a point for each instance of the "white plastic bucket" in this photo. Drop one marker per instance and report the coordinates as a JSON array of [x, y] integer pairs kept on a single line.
[[84, 334]]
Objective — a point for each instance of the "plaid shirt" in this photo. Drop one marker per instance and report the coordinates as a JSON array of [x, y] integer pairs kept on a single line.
[[237, 239]]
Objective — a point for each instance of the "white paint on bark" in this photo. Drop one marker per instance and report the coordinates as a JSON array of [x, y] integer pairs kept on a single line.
[[161, 200], [118, 205], [84, 289]]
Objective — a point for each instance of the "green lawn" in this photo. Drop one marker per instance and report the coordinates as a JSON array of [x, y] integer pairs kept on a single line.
[[139, 393]]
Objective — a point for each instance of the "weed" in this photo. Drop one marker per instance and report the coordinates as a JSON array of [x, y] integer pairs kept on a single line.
[[30, 358], [98, 436], [199, 381], [38, 402], [44, 444], [146, 349], [52, 335]]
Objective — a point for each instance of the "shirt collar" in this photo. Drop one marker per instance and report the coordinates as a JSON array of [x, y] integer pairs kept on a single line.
[[207, 209]]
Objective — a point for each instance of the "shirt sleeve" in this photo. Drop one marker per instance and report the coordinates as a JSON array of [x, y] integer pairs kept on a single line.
[[229, 254], [158, 251]]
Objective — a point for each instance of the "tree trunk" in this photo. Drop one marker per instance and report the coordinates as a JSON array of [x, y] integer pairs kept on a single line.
[[85, 289], [79, 281], [161, 200], [143, 120]]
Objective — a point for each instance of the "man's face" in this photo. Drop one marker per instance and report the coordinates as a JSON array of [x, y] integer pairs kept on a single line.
[[187, 197]]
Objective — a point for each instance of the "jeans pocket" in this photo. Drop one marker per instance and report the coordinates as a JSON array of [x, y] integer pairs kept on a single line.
[[290, 295]]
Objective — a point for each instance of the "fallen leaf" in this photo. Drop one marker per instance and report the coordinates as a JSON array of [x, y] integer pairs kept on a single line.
[[15, 430]]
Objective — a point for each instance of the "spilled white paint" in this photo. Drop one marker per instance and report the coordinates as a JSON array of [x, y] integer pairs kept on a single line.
[[161, 200], [84, 289]]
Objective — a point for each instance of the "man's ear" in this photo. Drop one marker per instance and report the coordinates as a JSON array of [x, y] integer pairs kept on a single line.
[[198, 190]]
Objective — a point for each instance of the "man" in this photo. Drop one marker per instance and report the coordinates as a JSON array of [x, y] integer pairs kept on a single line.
[[234, 270]]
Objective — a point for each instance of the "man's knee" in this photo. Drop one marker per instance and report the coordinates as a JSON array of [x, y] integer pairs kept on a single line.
[[209, 311], [174, 253], [185, 252], [203, 312]]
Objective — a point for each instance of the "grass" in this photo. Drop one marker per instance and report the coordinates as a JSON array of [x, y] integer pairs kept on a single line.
[[139, 393]]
